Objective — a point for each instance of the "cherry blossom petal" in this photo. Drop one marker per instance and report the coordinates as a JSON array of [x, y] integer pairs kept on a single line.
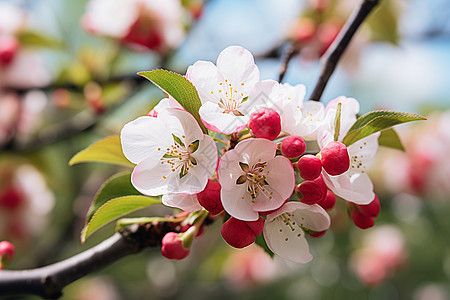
[[268, 198], [203, 75], [260, 96], [283, 232], [182, 201], [238, 203], [206, 157], [182, 123], [152, 178], [236, 64], [363, 152], [357, 188], [216, 120], [285, 242], [142, 137], [280, 176], [255, 150]]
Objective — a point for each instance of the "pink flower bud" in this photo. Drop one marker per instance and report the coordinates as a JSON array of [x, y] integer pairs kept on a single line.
[[7, 251], [312, 191], [372, 209], [309, 166], [329, 201], [293, 146], [335, 158], [209, 198], [265, 123], [240, 234], [361, 220], [8, 49], [172, 246], [317, 234], [11, 198]]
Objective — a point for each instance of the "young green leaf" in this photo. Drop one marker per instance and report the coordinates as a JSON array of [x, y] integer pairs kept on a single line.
[[390, 139], [337, 121], [376, 121], [114, 209], [180, 89], [107, 150], [116, 186]]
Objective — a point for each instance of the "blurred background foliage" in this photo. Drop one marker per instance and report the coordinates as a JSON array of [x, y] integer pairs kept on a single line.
[[68, 77]]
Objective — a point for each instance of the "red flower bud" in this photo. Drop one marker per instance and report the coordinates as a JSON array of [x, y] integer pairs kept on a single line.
[[335, 158], [317, 234], [172, 246], [372, 209], [209, 198], [265, 123], [11, 198], [240, 234], [312, 191], [329, 201], [360, 220], [7, 251], [8, 49], [309, 166], [293, 146]]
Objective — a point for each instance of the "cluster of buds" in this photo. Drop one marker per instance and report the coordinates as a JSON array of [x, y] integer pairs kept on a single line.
[[282, 167]]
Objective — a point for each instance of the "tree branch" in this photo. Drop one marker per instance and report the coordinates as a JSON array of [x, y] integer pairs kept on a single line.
[[331, 57], [292, 51], [48, 282]]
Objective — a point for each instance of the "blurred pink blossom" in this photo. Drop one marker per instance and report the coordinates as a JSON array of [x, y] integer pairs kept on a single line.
[[154, 24], [382, 252]]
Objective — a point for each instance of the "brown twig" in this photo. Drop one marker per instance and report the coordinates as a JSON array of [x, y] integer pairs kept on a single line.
[[291, 51], [331, 57], [48, 282]]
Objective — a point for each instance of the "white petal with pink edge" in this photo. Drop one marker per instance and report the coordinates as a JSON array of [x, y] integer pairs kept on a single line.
[[182, 201], [283, 229]]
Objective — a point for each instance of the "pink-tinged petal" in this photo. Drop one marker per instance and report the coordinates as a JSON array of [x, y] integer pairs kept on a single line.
[[286, 242], [357, 188], [281, 176], [182, 124], [182, 201], [237, 202], [363, 152], [254, 150], [152, 178], [206, 157], [260, 96], [312, 119], [216, 120], [268, 198], [236, 64], [203, 75], [142, 137]]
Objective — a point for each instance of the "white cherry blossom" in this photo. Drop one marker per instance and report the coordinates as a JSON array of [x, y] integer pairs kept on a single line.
[[172, 154], [224, 88], [253, 179], [284, 229], [297, 117], [354, 185]]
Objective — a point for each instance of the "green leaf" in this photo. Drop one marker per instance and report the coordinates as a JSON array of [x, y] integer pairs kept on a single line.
[[337, 121], [34, 39], [116, 186], [376, 121], [180, 89], [107, 150], [260, 241], [389, 138], [114, 209]]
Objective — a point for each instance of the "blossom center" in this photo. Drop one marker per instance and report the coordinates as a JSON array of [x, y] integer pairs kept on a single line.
[[255, 178], [230, 98], [179, 157]]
